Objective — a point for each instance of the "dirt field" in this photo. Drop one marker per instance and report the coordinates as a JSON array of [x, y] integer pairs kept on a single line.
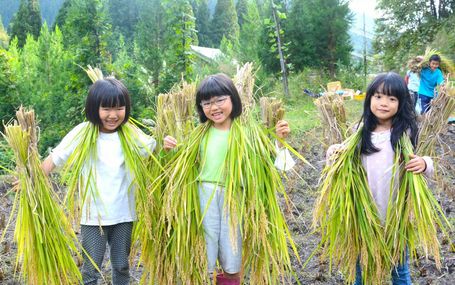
[[302, 192]]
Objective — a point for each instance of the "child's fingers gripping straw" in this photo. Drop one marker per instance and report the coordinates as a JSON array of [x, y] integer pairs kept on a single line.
[[282, 129], [169, 143], [332, 153], [417, 164]]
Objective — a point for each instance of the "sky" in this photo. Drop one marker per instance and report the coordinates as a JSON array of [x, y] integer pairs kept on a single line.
[[367, 6]]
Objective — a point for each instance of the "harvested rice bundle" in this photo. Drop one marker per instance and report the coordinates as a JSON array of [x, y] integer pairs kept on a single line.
[[333, 118], [44, 237], [244, 82], [251, 189], [94, 73], [175, 112], [435, 121], [446, 65], [348, 219], [414, 215], [271, 111]]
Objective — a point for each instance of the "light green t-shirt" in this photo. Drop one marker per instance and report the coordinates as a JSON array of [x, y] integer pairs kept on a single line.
[[214, 150]]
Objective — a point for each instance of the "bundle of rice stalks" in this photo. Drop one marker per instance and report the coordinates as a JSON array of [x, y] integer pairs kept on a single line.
[[333, 118], [244, 82], [251, 188], [182, 252], [271, 111], [447, 65], [94, 73], [414, 215], [348, 219], [44, 237], [414, 63], [175, 112], [435, 121]]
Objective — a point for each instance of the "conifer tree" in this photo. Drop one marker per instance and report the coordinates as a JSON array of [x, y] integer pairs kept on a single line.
[[87, 30], [149, 42], [315, 40], [4, 38], [250, 31], [26, 21], [202, 13], [181, 34], [225, 23]]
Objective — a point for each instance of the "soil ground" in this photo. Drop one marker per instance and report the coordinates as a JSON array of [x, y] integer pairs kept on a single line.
[[302, 190]]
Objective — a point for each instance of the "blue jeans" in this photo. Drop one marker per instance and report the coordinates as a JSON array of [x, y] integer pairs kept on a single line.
[[400, 273], [425, 103]]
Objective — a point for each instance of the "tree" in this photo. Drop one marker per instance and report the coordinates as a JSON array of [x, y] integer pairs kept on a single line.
[[149, 42], [4, 38], [277, 16], [250, 32], [26, 21], [87, 30], [225, 23], [407, 27], [124, 15], [181, 34], [62, 13], [201, 10], [8, 91], [242, 11], [318, 34]]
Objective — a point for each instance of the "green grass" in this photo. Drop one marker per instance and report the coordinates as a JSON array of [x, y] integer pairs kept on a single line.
[[302, 114]]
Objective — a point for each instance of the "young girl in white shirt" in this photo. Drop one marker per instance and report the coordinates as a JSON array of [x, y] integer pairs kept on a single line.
[[105, 181]]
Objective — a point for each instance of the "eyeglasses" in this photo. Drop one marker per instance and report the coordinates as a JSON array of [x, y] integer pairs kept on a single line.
[[218, 102]]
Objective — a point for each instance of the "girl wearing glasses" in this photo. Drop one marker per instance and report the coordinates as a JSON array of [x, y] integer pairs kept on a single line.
[[218, 103]]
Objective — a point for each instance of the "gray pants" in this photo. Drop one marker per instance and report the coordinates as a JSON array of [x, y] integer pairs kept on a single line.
[[94, 241]]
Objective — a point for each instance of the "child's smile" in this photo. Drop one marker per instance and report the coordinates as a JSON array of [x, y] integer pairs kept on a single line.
[[111, 118], [218, 110]]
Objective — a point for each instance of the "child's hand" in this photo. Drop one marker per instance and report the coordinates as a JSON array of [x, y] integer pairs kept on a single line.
[[282, 130], [416, 164], [169, 143]]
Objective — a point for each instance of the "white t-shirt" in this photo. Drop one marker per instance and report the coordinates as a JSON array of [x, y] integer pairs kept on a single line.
[[111, 201]]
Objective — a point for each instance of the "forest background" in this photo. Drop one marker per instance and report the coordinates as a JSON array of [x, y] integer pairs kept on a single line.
[[148, 44]]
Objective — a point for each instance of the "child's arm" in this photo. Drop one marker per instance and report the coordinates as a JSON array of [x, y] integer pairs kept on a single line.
[[419, 164], [284, 160], [48, 165]]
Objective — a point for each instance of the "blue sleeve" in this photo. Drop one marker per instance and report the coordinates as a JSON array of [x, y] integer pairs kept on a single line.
[[440, 77]]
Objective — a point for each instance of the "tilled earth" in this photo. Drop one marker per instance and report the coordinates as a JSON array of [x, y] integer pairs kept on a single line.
[[302, 187]]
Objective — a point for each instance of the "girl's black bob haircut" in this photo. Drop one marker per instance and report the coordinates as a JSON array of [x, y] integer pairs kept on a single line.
[[389, 84], [218, 85], [108, 92]]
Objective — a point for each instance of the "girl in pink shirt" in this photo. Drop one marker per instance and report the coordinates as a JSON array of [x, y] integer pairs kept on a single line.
[[388, 113]]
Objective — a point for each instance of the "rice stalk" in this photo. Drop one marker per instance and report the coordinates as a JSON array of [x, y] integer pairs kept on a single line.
[[435, 121], [446, 65], [182, 244], [348, 219], [333, 118], [45, 240], [414, 215], [175, 112], [271, 111], [94, 73], [244, 82]]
